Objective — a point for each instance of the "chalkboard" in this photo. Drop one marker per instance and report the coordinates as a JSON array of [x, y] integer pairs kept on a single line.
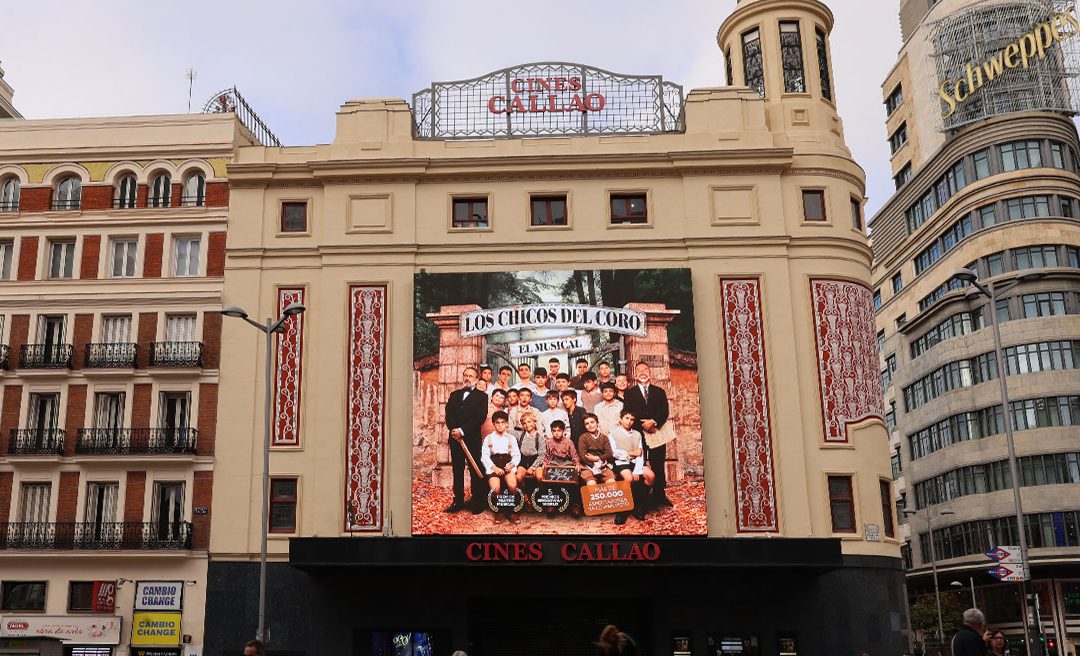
[[556, 474]]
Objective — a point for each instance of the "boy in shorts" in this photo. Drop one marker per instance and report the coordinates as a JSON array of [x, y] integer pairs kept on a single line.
[[500, 457]]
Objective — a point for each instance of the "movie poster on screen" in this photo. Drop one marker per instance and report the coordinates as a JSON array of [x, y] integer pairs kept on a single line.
[[556, 402]]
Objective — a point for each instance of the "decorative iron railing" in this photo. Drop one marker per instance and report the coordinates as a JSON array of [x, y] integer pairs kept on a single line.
[[5, 355], [548, 99], [136, 441], [111, 356], [230, 100], [197, 200], [176, 354], [66, 203], [95, 535], [36, 442], [9, 206], [45, 356]]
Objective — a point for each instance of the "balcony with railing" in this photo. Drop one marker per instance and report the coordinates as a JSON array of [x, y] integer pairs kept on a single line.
[[136, 441], [45, 356], [5, 355], [36, 442], [111, 356], [96, 535], [176, 354]]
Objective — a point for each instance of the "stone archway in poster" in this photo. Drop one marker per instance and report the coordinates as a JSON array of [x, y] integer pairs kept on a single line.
[[556, 402]]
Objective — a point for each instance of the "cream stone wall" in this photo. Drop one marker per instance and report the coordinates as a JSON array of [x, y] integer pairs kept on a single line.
[[724, 200]]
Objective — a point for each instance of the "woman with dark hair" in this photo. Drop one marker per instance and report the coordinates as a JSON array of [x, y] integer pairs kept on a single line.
[[997, 643], [614, 642]]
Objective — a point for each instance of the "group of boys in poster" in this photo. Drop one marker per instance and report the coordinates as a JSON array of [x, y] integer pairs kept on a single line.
[[514, 437]]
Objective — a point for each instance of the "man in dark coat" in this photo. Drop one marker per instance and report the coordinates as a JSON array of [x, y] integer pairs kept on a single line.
[[649, 404], [969, 640], [466, 411]]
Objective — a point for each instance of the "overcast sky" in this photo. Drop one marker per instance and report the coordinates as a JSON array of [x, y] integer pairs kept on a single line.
[[297, 62]]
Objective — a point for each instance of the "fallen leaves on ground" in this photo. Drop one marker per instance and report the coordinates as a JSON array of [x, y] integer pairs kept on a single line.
[[687, 517]]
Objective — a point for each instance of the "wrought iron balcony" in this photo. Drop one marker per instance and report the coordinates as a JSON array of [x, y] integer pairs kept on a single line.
[[176, 354], [36, 442], [111, 356], [5, 354], [45, 356], [136, 441], [92, 535]]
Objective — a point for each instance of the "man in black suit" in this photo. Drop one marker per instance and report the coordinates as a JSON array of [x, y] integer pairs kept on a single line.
[[649, 404], [466, 411]]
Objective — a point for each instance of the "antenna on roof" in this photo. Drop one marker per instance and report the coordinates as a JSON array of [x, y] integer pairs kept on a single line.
[[191, 75]]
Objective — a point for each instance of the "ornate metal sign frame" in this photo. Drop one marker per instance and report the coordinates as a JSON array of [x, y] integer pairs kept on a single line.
[[548, 99]]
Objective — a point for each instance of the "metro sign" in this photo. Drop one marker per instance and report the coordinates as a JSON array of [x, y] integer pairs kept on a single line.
[[1003, 573], [1005, 555]]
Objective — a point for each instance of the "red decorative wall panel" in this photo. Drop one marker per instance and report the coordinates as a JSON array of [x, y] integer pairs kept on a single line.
[[748, 397], [847, 355], [287, 386], [366, 411]]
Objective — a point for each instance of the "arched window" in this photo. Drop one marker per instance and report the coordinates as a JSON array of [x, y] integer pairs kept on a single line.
[[160, 190], [68, 194], [194, 191], [9, 195], [126, 191]]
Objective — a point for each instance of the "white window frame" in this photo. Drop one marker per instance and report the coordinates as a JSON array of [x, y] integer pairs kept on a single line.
[[68, 193], [9, 195], [130, 257], [127, 192], [193, 193], [61, 270], [7, 256], [186, 259], [160, 191]]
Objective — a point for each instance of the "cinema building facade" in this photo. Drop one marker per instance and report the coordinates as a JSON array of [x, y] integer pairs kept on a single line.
[[562, 212]]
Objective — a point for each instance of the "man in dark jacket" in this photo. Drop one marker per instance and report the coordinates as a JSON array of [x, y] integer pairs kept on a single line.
[[969, 640], [649, 404], [466, 411]]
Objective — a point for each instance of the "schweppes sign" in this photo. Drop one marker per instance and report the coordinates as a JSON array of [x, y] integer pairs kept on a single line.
[[1021, 53]]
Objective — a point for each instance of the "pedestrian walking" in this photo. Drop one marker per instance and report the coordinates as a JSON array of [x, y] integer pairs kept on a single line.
[[971, 639]]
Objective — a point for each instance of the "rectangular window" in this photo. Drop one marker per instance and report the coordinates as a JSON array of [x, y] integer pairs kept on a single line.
[[1020, 155], [995, 264], [548, 210], [856, 214], [823, 63], [901, 320], [180, 328], [80, 596], [7, 251], [791, 56], [283, 505], [898, 139], [841, 504], [116, 329], [987, 216], [753, 67], [813, 203], [895, 99], [881, 341], [186, 256], [470, 213], [101, 509], [61, 259], [877, 299], [294, 216], [897, 283], [1066, 207], [982, 164], [23, 595], [887, 509], [122, 253], [901, 178], [34, 502], [168, 510], [628, 208], [1057, 153]]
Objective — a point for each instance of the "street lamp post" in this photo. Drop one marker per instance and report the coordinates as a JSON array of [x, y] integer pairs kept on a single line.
[[270, 328], [991, 291], [933, 562]]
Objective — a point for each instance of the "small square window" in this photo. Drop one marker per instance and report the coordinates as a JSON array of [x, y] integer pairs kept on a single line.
[[283, 505], [813, 203], [470, 213], [294, 217], [901, 320], [548, 210], [628, 209], [81, 596], [22, 595]]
